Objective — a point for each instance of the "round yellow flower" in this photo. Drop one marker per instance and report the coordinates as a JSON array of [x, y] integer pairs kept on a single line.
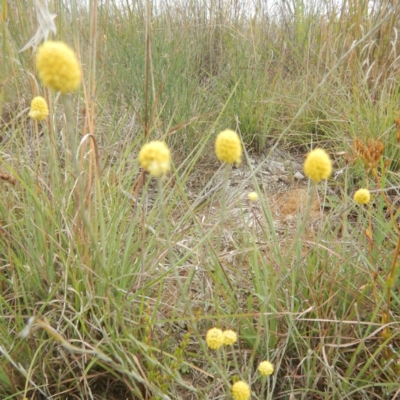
[[155, 157], [228, 147], [58, 66], [214, 338], [362, 196], [39, 109], [252, 196], [241, 391], [230, 337], [266, 368], [318, 165]]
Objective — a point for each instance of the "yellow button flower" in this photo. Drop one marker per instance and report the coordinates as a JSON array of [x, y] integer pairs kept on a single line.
[[39, 109], [58, 66], [230, 337], [266, 368], [252, 196], [214, 338], [228, 147], [362, 196], [241, 391], [155, 157], [318, 165]]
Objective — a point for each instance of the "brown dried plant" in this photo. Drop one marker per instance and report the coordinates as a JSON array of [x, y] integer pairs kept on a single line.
[[397, 123], [7, 178], [371, 152]]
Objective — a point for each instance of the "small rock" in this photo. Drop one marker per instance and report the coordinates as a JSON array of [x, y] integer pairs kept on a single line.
[[283, 178], [298, 176]]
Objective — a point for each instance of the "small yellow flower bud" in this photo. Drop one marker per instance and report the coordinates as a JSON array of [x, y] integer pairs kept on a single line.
[[241, 391], [230, 337], [266, 368], [214, 338], [155, 157], [318, 165], [39, 109], [362, 196], [252, 196], [58, 66], [228, 147]]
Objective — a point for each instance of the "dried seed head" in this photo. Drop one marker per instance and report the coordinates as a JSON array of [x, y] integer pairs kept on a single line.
[[371, 152]]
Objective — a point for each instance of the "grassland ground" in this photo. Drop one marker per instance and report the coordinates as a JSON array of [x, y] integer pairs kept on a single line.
[[112, 278]]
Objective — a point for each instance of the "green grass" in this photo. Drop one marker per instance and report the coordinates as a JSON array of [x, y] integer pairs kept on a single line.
[[124, 283]]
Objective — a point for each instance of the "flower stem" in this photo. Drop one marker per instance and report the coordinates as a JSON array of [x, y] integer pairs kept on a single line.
[[301, 228], [172, 260]]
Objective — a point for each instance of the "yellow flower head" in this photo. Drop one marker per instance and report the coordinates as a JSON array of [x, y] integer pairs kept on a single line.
[[252, 196], [266, 368], [155, 157], [228, 147], [39, 109], [214, 338], [362, 196], [230, 337], [241, 391], [58, 66], [318, 165]]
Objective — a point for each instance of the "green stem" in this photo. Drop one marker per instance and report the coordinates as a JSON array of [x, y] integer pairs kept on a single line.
[[185, 298], [301, 228], [223, 206], [72, 145], [39, 155], [164, 221]]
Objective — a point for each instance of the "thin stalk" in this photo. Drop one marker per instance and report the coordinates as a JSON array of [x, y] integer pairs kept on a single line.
[[72, 144], [147, 70], [389, 284], [388, 205], [300, 230], [85, 228], [91, 103], [39, 155], [164, 221], [172, 260], [227, 169]]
